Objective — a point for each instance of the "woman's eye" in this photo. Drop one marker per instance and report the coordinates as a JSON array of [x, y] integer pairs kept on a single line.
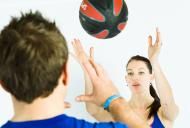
[[141, 73], [130, 73]]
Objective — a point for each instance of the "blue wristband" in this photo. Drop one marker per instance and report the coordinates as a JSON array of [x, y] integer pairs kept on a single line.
[[109, 100]]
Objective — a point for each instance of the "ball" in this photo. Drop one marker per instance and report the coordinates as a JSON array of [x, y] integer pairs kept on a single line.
[[103, 18]]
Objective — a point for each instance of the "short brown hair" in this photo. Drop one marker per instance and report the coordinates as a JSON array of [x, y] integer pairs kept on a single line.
[[33, 53]]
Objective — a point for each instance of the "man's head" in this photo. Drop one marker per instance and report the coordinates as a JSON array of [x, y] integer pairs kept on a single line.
[[33, 55]]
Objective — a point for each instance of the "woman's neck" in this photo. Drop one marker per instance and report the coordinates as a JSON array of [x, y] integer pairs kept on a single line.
[[141, 100]]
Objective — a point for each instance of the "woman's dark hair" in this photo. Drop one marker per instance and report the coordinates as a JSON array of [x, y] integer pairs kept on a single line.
[[156, 103]]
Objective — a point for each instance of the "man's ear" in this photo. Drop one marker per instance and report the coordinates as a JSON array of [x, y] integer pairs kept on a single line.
[[1, 84], [65, 74]]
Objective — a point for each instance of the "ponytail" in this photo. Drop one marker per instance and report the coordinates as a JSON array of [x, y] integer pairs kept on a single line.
[[156, 103]]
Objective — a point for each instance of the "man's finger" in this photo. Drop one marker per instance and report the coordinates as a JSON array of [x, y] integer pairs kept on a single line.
[[67, 104], [92, 53], [84, 98], [90, 71]]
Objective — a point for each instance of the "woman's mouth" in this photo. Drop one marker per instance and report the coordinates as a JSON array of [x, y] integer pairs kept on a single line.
[[136, 84]]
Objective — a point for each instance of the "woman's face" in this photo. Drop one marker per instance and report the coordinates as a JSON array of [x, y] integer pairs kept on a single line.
[[138, 76]]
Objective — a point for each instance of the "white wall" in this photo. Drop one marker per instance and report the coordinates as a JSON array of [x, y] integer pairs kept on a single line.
[[170, 16]]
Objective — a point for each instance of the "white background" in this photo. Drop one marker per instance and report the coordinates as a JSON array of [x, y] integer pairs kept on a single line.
[[171, 16]]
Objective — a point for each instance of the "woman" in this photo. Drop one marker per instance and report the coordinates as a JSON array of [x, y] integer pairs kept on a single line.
[[158, 112]]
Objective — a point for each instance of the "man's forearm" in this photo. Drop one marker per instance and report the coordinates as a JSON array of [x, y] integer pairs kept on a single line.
[[122, 112]]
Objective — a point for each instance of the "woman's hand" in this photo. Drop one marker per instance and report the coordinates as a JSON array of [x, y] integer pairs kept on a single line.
[[154, 49]]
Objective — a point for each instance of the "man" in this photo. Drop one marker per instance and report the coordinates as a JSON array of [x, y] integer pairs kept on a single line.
[[33, 69]]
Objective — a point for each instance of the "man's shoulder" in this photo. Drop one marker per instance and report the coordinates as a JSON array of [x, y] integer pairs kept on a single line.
[[63, 121]]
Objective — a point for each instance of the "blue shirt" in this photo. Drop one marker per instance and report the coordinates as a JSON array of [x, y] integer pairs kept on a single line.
[[62, 121]]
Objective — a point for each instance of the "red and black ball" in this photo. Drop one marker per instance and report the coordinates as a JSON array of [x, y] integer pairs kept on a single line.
[[103, 18]]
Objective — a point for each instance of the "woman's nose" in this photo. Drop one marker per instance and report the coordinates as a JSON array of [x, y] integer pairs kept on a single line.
[[135, 77]]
